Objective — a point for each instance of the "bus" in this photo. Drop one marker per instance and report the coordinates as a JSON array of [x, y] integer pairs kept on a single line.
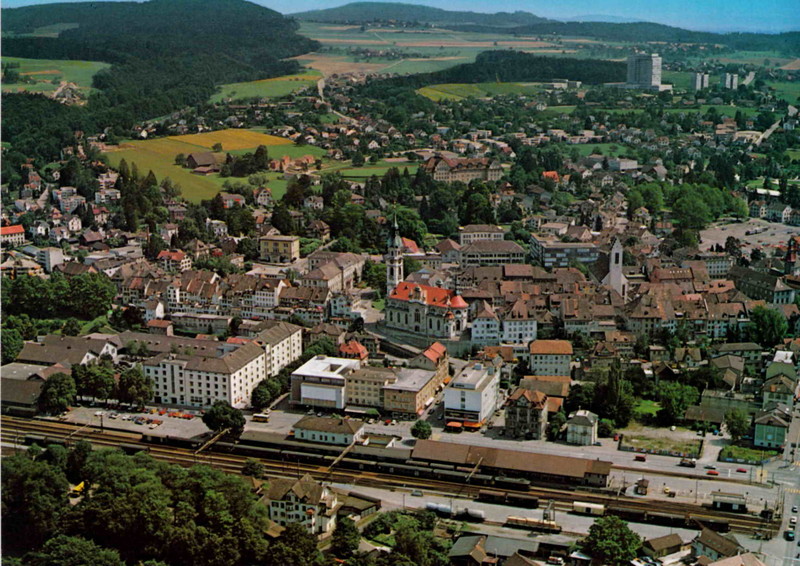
[[588, 508], [261, 418]]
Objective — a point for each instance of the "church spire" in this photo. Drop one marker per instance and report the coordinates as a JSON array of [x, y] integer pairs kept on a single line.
[[394, 258]]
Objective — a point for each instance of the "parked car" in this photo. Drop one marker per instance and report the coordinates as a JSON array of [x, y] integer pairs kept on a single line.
[[741, 470], [712, 473], [416, 493], [711, 467]]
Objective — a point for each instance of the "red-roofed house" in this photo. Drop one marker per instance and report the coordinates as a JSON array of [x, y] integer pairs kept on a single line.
[[552, 175], [353, 350], [428, 311], [12, 236], [410, 246], [174, 260], [433, 358]]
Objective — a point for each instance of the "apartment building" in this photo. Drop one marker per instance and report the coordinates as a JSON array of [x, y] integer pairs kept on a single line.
[[550, 357], [473, 232], [200, 379], [472, 396], [279, 249], [548, 251], [491, 252]]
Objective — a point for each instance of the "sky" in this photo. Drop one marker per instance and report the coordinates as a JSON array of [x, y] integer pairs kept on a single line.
[[708, 15]]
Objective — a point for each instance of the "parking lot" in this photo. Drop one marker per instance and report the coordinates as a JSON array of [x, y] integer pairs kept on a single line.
[[774, 234], [160, 422]]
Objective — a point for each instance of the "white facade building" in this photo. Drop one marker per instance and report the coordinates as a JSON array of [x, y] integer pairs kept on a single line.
[[550, 357], [200, 380], [471, 397], [322, 382]]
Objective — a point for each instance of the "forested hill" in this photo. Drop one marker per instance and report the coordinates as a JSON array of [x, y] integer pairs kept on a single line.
[[367, 12], [516, 66], [238, 33], [165, 55]]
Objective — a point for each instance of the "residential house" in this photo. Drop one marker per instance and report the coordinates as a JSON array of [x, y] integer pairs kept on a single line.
[[526, 414], [304, 501], [550, 357], [279, 248], [582, 428]]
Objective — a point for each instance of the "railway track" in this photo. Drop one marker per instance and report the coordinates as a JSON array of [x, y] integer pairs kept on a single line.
[[14, 430]]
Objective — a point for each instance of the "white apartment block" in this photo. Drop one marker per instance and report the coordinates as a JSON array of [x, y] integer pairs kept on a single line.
[[472, 396], [201, 380], [283, 344]]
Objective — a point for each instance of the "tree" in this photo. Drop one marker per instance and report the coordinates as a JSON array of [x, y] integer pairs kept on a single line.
[[73, 551], [222, 416], [134, 387], [605, 428], [216, 148], [71, 328], [58, 393], [253, 467], [358, 159], [264, 393], [180, 159], [611, 541], [738, 423], [555, 424], [675, 398], [421, 430], [295, 547], [345, 539], [767, 326], [34, 497], [11, 344]]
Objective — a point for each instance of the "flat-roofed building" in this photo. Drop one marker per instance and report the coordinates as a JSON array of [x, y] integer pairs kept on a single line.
[[491, 252], [472, 396], [322, 382], [549, 251], [412, 392]]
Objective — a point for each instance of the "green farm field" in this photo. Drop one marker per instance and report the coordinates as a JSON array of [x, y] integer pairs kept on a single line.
[[459, 91], [268, 88], [159, 156], [45, 71], [790, 92]]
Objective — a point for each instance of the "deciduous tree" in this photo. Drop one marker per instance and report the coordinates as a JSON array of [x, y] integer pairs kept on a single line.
[[611, 541]]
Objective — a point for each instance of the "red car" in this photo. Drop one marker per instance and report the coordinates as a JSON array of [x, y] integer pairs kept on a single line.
[[712, 473], [741, 470]]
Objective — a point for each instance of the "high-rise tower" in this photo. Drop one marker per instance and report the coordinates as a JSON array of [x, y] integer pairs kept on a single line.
[[394, 258], [644, 71]]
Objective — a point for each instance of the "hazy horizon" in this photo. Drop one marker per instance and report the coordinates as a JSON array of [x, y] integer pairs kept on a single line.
[[767, 16]]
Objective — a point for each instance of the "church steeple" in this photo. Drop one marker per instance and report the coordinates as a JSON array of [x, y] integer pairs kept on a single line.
[[394, 258]]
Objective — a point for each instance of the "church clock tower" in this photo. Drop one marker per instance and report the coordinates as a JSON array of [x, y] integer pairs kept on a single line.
[[394, 259]]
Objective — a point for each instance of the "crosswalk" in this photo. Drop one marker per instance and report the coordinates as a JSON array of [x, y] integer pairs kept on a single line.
[[793, 490]]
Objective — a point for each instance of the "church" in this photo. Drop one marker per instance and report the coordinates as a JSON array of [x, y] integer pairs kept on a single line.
[[421, 309]]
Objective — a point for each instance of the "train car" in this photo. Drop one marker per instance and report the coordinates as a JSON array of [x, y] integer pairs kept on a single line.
[[482, 479], [451, 476], [472, 515], [584, 508], [534, 524], [357, 464], [190, 443], [512, 483], [509, 498], [37, 439], [633, 515], [522, 500], [718, 525]]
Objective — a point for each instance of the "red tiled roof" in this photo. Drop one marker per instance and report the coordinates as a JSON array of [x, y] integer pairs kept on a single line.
[[353, 349], [15, 229], [410, 245], [551, 347], [434, 296], [174, 256], [435, 351]]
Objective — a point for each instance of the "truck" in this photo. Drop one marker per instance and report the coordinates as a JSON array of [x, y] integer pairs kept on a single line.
[[688, 462]]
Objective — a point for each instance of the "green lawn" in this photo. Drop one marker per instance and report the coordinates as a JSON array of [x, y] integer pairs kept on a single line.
[[378, 169], [665, 442], [268, 88], [744, 453], [681, 80], [45, 71], [790, 92], [608, 149], [647, 407], [459, 91]]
